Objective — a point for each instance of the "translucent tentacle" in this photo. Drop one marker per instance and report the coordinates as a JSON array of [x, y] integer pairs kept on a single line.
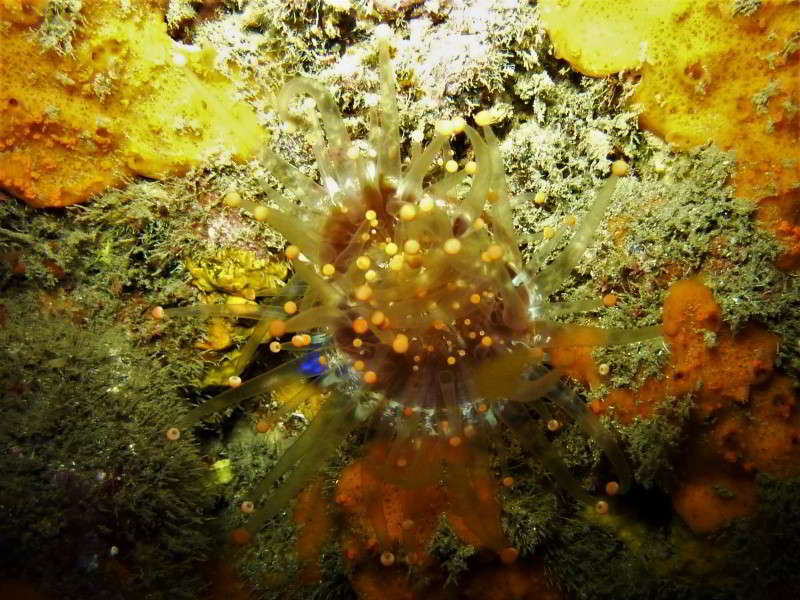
[[445, 184], [594, 429], [470, 495], [335, 128], [411, 186], [388, 145], [326, 292], [248, 351], [539, 387], [554, 335], [544, 250], [233, 311], [337, 418], [515, 310], [406, 463], [335, 173], [313, 317], [472, 205], [298, 231], [447, 387], [552, 276], [532, 439], [292, 179], [233, 396], [502, 221], [566, 308], [290, 404]]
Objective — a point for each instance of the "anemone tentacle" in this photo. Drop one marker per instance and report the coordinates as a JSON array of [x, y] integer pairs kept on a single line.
[[412, 310]]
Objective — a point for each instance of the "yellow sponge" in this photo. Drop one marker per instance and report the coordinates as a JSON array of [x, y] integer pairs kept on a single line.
[[121, 98], [707, 74]]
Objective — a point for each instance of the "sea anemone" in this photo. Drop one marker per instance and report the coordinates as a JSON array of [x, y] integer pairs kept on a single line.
[[412, 308]]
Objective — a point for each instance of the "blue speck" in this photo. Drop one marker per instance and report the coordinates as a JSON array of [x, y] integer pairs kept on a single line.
[[311, 367]]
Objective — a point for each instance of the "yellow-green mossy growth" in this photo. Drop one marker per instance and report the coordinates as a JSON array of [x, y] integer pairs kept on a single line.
[[94, 92], [237, 272], [235, 277]]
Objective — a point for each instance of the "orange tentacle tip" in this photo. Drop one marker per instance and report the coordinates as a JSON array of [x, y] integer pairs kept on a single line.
[[508, 555], [240, 536]]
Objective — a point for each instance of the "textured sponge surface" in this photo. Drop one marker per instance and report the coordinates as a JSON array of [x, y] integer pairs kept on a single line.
[[708, 74], [117, 98]]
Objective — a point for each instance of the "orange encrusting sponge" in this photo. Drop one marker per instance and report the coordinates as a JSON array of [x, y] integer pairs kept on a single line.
[[724, 371], [781, 214], [744, 417], [393, 503]]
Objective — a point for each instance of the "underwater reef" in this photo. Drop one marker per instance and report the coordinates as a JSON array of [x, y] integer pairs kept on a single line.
[[416, 299]]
